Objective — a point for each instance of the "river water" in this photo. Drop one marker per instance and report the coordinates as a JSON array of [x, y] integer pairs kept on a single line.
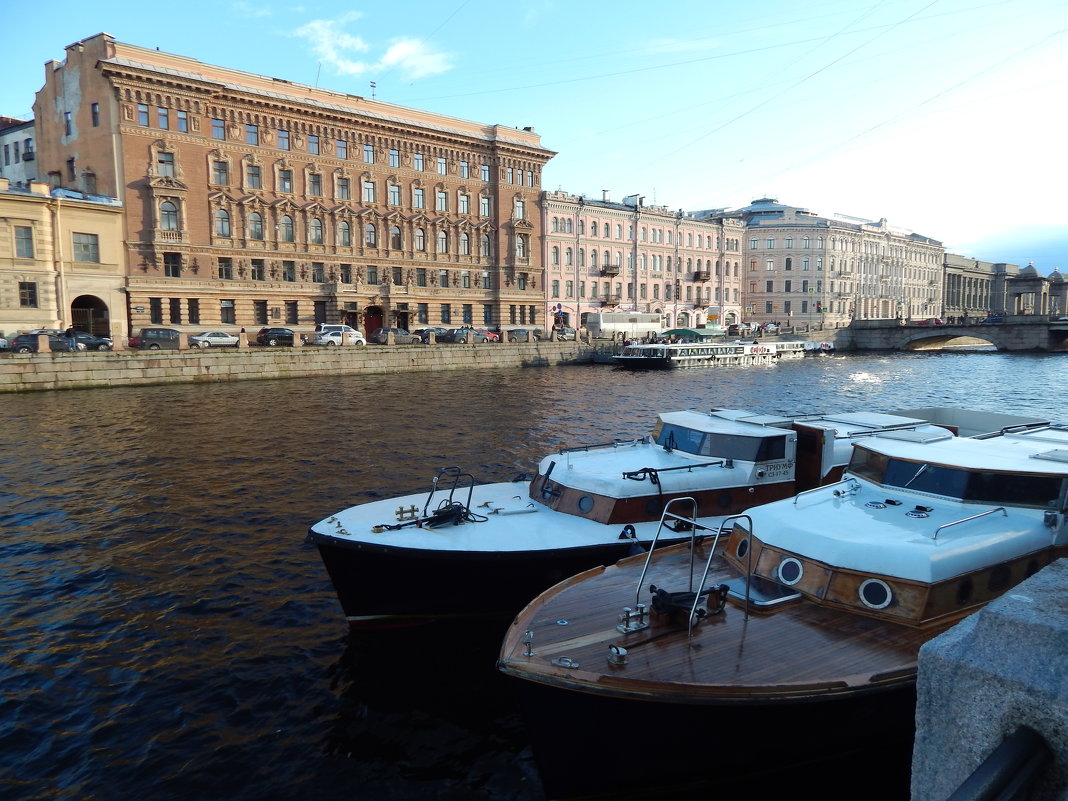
[[168, 635]]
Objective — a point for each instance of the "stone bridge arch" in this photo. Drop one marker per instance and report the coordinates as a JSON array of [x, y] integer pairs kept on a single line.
[[944, 336]]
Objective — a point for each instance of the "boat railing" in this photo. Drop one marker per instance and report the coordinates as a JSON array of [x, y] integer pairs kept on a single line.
[[454, 479], [972, 517], [616, 443], [850, 485], [677, 522], [653, 473]]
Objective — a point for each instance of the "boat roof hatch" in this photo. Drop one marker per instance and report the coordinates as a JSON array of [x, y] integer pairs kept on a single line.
[[1058, 455], [927, 434]]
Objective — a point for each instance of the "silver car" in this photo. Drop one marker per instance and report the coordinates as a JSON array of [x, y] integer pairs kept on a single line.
[[214, 339]]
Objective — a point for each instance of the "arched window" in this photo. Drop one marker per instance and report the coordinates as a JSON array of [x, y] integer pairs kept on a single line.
[[593, 228], [395, 241], [222, 220], [285, 229], [465, 245], [168, 217], [344, 234], [315, 231], [556, 225], [443, 242], [521, 246], [593, 259], [370, 235], [255, 226], [420, 240], [556, 255], [568, 257], [486, 246]]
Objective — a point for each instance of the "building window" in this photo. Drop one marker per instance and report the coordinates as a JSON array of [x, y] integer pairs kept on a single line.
[[87, 248], [318, 272], [468, 313], [226, 268], [254, 177], [441, 166], [155, 311], [420, 240], [289, 271], [183, 121], [521, 281], [464, 204], [423, 313], [222, 223], [165, 165], [259, 312], [315, 231], [255, 225], [487, 280], [397, 276], [420, 276], [394, 195], [23, 242], [394, 158], [521, 246], [315, 185], [285, 229], [285, 180], [368, 191], [28, 294], [443, 242], [484, 206], [220, 173], [370, 235], [443, 279], [465, 244], [344, 234], [417, 161], [313, 144], [555, 293], [142, 115], [465, 169], [441, 201], [372, 274], [395, 241], [520, 210], [172, 265], [341, 149], [487, 246], [446, 313], [163, 115], [259, 270], [292, 316], [168, 216], [418, 199], [346, 273], [343, 189], [484, 172], [368, 154], [175, 307], [283, 139], [252, 135]]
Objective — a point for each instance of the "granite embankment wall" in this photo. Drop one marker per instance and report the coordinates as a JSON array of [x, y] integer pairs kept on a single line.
[[45, 371]]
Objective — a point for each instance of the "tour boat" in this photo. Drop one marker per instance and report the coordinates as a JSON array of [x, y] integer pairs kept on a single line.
[[776, 652], [672, 355], [464, 548]]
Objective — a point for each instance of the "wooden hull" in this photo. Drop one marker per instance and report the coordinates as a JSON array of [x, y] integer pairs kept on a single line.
[[758, 702]]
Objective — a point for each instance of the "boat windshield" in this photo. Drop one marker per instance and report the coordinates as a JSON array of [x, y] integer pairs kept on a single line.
[[986, 486], [722, 446]]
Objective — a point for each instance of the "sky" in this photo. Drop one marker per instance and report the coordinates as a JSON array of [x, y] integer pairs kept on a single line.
[[948, 118]]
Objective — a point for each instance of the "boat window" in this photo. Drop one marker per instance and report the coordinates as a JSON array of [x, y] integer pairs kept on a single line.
[[967, 485], [723, 446]]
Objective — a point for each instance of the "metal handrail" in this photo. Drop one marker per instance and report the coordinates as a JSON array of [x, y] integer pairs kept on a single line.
[[966, 519], [849, 480], [666, 515], [1010, 772], [708, 566], [616, 443]]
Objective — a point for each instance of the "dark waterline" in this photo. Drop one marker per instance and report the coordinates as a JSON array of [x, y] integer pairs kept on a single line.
[[169, 635]]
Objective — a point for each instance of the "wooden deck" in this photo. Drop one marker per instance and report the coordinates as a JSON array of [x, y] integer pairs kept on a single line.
[[792, 652]]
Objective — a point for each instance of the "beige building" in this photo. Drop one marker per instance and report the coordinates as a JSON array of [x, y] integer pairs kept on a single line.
[[806, 269], [605, 256], [61, 260], [255, 201]]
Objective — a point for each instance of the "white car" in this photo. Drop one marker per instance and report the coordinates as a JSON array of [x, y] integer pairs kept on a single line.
[[332, 335], [214, 339]]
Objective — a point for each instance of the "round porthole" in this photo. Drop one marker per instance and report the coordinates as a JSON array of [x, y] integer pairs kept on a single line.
[[585, 504], [875, 594], [790, 571], [742, 549]]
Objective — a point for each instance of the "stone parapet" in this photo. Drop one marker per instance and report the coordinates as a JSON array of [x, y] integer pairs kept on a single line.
[[1004, 667], [44, 371]]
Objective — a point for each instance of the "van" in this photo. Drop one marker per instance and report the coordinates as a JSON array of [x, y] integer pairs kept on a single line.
[[334, 334], [156, 339]]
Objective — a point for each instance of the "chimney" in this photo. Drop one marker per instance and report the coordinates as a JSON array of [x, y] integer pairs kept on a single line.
[[605, 196]]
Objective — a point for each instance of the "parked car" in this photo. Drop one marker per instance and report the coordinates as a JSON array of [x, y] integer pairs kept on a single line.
[[92, 342], [156, 338], [400, 336], [4, 344], [739, 328], [932, 321], [333, 335], [993, 319], [57, 341], [491, 336], [274, 337], [520, 335], [424, 333], [214, 339], [462, 336], [565, 334]]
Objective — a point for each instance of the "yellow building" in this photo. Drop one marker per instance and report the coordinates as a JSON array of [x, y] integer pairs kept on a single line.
[[61, 260], [256, 201]]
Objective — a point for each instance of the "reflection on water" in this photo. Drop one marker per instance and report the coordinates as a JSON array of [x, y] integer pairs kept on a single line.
[[166, 626]]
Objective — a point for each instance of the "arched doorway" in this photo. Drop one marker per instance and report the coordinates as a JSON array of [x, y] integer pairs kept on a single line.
[[89, 313], [372, 319]]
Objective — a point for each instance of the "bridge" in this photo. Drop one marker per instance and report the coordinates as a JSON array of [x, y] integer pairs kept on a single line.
[[1015, 333]]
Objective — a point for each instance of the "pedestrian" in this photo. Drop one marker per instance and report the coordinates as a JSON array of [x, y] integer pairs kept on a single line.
[[72, 337]]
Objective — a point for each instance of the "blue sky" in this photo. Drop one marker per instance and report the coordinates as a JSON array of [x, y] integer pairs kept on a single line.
[[946, 117]]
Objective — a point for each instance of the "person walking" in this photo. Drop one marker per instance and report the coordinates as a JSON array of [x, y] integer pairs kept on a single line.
[[72, 337]]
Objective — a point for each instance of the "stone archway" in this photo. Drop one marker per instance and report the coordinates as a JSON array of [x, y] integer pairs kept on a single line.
[[89, 313]]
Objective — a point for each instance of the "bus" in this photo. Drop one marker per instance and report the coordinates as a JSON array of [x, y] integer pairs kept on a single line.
[[622, 325]]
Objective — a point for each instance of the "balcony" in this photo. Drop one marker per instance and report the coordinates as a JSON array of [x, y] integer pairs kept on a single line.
[[610, 269], [702, 275], [611, 300]]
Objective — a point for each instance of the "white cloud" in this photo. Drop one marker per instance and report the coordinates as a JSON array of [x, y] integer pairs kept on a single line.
[[340, 50]]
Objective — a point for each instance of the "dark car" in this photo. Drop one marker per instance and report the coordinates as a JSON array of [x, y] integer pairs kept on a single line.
[[274, 337], [156, 339], [57, 341], [993, 319], [462, 336], [520, 334], [400, 336], [424, 333], [92, 342]]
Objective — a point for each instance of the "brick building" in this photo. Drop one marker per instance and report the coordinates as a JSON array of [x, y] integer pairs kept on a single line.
[[252, 200]]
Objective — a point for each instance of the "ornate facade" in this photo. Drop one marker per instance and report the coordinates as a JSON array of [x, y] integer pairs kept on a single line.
[[605, 256], [253, 201]]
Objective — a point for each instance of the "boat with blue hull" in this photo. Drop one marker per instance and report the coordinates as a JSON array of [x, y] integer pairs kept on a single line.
[[684, 355], [781, 645]]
